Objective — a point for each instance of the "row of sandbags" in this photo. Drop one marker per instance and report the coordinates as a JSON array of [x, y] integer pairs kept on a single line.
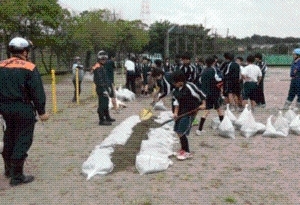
[[276, 126], [99, 162], [155, 151]]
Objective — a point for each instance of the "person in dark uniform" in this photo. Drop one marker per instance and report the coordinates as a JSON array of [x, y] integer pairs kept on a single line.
[[21, 96], [295, 81], [212, 92], [260, 95], [187, 68], [110, 68], [145, 71], [231, 80], [104, 89], [187, 97]]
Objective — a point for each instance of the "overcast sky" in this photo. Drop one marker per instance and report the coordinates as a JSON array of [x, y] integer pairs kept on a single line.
[[242, 18]]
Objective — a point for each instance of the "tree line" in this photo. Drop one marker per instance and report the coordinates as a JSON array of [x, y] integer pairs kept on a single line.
[[59, 34]]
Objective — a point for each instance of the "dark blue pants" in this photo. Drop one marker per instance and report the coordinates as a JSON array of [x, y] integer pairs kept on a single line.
[[294, 90]]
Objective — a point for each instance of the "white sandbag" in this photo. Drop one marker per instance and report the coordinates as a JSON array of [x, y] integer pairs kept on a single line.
[[260, 127], [271, 130], [164, 116], [148, 163], [281, 124], [249, 129], [226, 128], [215, 122], [121, 133], [242, 118], [159, 105], [290, 115], [156, 148], [99, 162], [295, 125], [230, 114], [125, 95], [120, 104]]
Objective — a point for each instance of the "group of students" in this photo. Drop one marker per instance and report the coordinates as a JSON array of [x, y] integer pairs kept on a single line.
[[193, 90]]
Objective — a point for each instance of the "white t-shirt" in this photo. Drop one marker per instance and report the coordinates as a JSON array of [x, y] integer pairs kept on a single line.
[[129, 65], [251, 72]]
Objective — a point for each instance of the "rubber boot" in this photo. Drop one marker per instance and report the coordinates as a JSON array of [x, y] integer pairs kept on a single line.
[[107, 116], [16, 173], [286, 105]]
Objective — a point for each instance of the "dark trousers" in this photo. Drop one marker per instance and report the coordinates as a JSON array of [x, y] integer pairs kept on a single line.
[[103, 102], [294, 90], [259, 95], [74, 83], [130, 81], [18, 137]]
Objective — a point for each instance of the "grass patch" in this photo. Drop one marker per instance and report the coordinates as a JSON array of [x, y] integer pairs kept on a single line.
[[230, 200]]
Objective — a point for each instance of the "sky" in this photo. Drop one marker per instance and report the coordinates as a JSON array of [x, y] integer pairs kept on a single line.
[[239, 18]]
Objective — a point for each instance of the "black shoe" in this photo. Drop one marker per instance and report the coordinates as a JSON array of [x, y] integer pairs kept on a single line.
[[105, 123], [24, 179], [109, 119]]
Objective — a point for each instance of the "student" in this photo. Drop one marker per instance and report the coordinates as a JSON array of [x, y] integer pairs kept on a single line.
[[212, 92], [130, 74], [240, 60], [187, 68], [295, 81], [252, 76], [260, 95], [163, 87], [187, 97], [145, 70], [231, 79]]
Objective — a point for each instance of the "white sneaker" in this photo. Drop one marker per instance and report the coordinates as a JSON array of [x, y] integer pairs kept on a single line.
[[184, 155], [199, 133]]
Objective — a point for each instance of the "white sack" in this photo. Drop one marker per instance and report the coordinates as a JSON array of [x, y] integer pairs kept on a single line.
[[215, 122], [159, 105], [249, 129], [230, 114], [119, 104], [290, 115], [148, 163], [121, 133], [124, 94], [295, 125], [281, 124], [226, 128], [242, 118], [1, 146], [271, 130], [99, 162]]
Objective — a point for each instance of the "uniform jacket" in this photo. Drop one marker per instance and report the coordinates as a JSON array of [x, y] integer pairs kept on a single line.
[[101, 80]]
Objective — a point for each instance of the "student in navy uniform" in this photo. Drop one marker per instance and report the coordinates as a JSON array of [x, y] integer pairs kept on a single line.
[[145, 71], [163, 87], [260, 95], [187, 68], [231, 81], [167, 68], [110, 69], [177, 63], [104, 89], [22, 95], [295, 81], [212, 92], [187, 97]]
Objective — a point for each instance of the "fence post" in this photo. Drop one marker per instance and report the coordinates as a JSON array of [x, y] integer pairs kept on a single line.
[[54, 103], [77, 86]]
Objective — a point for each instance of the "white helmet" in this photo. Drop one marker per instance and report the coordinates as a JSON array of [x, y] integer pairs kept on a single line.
[[19, 44], [102, 55]]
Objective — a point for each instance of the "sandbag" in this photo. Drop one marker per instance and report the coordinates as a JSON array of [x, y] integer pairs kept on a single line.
[[215, 122], [271, 130], [295, 125], [281, 124], [99, 162], [124, 94], [230, 114], [148, 163], [159, 105], [290, 115], [226, 128], [249, 129], [242, 118]]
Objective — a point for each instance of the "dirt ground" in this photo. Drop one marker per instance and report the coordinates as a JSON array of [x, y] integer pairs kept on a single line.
[[253, 171]]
